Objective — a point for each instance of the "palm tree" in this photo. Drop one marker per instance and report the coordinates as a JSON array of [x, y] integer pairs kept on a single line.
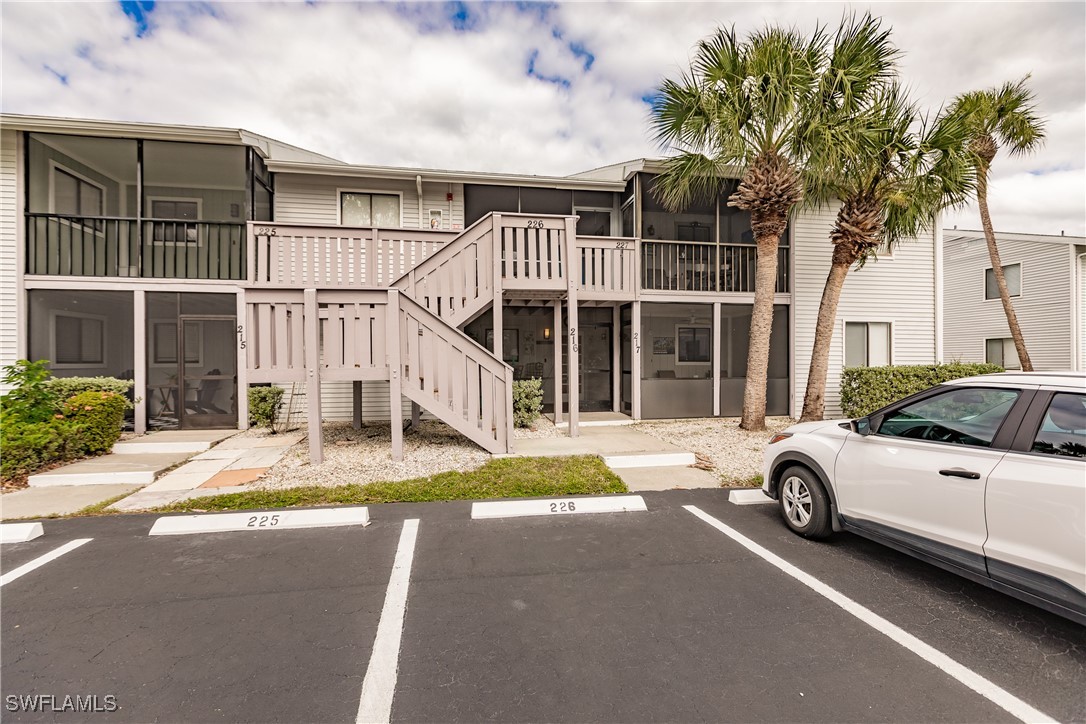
[[1003, 116], [755, 109], [906, 170]]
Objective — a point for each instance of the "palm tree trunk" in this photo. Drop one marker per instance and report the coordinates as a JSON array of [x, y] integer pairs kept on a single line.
[[814, 399], [761, 326], [997, 270]]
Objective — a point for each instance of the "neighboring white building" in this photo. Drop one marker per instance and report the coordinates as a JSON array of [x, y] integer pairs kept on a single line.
[[180, 257], [1046, 276]]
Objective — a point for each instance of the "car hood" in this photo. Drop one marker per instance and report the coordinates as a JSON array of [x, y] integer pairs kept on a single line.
[[831, 428]]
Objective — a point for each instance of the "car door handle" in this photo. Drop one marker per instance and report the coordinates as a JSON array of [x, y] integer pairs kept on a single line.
[[960, 473]]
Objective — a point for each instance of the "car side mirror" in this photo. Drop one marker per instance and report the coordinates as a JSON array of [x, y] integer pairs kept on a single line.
[[862, 426]]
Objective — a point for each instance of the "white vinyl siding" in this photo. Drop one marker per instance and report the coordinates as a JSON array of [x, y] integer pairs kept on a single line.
[[898, 290], [9, 221], [1081, 311], [1043, 309]]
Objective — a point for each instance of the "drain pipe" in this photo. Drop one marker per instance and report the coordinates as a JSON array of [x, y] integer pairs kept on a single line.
[[418, 187]]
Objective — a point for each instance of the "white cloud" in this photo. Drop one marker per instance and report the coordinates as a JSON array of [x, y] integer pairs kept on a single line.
[[400, 85]]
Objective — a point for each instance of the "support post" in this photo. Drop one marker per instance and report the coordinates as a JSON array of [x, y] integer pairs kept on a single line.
[[496, 307], [395, 399], [715, 356], [616, 359], [311, 331], [139, 364], [242, 371], [572, 279], [356, 404], [635, 360], [416, 415], [558, 372], [508, 410]]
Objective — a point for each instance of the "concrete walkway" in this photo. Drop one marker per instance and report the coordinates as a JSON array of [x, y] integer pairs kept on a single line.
[[642, 461], [131, 465], [226, 468]]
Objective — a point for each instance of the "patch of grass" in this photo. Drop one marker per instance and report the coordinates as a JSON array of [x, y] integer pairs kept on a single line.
[[501, 478], [99, 508], [754, 481]]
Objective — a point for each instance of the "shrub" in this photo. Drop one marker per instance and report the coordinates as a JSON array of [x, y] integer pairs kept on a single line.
[[264, 404], [66, 387], [866, 389], [30, 399], [27, 446], [527, 401], [97, 418]]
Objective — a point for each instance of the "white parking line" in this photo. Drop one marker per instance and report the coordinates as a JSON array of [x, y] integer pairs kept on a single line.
[[42, 560], [998, 696], [379, 686]]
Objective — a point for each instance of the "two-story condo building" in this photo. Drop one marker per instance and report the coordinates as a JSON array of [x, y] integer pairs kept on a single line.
[[198, 261]]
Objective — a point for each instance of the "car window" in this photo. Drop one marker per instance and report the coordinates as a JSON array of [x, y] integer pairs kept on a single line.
[[961, 416], [1063, 430]]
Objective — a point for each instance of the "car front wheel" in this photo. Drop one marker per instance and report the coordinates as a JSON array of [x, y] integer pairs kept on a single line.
[[804, 503]]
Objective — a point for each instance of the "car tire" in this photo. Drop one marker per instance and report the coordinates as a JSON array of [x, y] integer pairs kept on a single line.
[[805, 506]]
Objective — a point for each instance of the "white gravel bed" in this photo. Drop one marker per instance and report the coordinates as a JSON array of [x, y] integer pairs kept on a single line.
[[733, 455], [542, 427], [365, 456]]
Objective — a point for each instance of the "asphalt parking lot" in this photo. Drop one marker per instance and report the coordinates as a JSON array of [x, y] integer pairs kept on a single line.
[[640, 616]]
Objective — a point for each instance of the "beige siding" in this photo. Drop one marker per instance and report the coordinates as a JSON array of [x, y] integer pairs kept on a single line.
[[314, 199], [1044, 309], [898, 289], [8, 254], [336, 402]]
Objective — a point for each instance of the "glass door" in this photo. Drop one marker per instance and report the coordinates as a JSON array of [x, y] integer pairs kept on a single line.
[[207, 362]]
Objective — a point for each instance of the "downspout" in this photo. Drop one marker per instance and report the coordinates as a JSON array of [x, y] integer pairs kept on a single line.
[[938, 271], [418, 187]]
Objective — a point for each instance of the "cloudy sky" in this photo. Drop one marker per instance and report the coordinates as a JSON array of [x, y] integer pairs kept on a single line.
[[533, 88]]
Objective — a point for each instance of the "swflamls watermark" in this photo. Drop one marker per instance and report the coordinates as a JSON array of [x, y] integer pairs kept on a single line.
[[91, 703]]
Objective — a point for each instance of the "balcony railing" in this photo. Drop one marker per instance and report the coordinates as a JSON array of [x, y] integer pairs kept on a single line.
[[683, 266], [103, 246]]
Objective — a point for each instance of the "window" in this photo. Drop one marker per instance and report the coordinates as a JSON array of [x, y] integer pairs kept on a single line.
[[75, 196], [78, 341], [694, 344], [961, 416], [1012, 273], [362, 209], [1001, 352], [170, 217], [1063, 431], [867, 344], [593, 222]]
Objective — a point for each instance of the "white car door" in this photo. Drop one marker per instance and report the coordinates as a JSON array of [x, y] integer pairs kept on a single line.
[[919, 477], [1036, 503]]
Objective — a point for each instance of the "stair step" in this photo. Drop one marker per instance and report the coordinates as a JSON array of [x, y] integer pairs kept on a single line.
[[178, 446], [649, 460]]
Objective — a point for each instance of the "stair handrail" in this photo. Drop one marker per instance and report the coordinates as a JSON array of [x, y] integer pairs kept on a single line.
[[406, 301], [439, 257]]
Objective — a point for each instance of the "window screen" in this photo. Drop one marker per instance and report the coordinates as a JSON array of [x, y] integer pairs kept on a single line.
[[359, 209], [1012, 273]]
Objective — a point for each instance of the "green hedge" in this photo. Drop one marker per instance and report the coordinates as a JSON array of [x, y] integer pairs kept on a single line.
[[97, 416], [264, 404], [66, 387], [866, 389], [527, 401], [28, 447]]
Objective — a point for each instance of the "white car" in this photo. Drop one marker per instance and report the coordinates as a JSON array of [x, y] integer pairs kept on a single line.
[[983, 476]]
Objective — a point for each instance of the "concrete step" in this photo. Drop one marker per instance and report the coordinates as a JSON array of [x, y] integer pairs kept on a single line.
[[171, 442], [679, 458], [110, 469], [667, 478]]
